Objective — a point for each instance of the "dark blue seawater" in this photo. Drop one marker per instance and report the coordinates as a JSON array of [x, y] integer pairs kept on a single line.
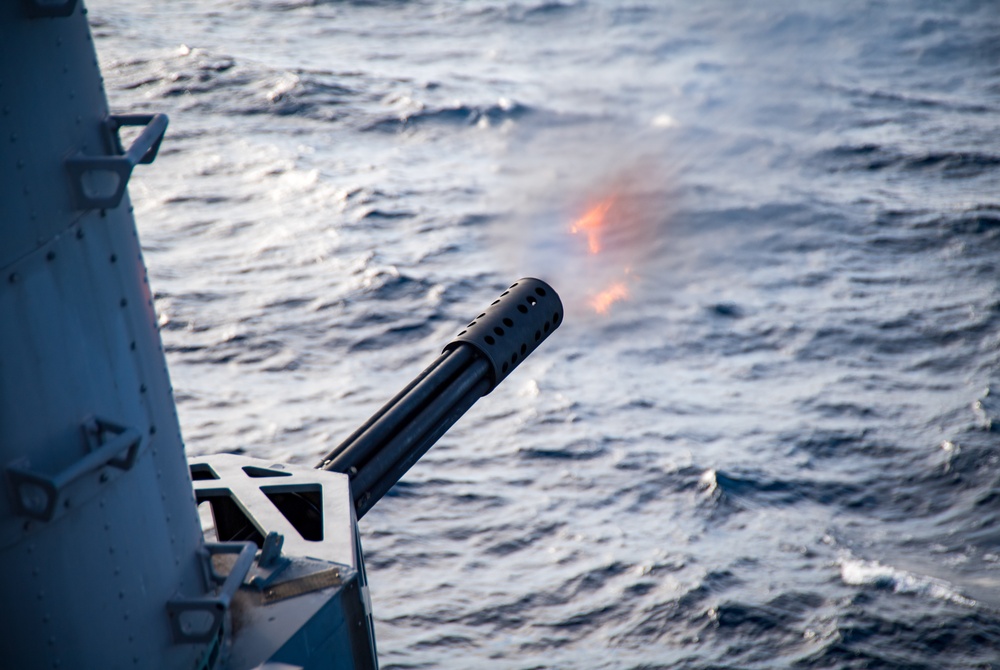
[[779, 448]]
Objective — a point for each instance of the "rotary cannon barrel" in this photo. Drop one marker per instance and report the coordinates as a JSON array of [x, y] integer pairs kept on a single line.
[[381, 451]]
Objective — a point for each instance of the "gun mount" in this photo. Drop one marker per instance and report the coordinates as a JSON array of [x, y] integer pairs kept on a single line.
[[305, 521]]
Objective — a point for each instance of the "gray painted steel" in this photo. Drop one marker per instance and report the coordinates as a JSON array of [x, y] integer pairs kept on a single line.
[[98, 530], [104, 560], [310, 606]]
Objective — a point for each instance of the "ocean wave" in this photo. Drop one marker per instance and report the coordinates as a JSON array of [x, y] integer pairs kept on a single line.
[[456, 115], [682, 617], [833, 442], [955, 164], [858, 572], [202, 80], [938, 635], [579, 450], [512, 12], [749, 491], [981, 221], [908, 101], [882, 336]]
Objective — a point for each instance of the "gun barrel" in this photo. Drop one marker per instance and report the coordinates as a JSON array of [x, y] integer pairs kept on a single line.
[[386, 446]]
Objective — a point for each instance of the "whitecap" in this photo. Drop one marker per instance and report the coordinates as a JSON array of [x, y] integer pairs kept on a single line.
[[663, 121], [857, 572]]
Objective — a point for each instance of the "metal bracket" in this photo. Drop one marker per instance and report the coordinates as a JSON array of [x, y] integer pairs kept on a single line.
[[99, 182], [198, 619], [39, 495], [38, 9]]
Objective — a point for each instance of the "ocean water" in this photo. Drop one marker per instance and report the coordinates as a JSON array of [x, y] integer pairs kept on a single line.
[[774, 442]]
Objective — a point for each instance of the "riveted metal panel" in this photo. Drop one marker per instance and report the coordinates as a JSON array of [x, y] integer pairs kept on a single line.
[[52, 106], [87, 584]]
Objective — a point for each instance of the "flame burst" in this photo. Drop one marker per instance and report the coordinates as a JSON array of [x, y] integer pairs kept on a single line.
[[592, 222], [602, 301]]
